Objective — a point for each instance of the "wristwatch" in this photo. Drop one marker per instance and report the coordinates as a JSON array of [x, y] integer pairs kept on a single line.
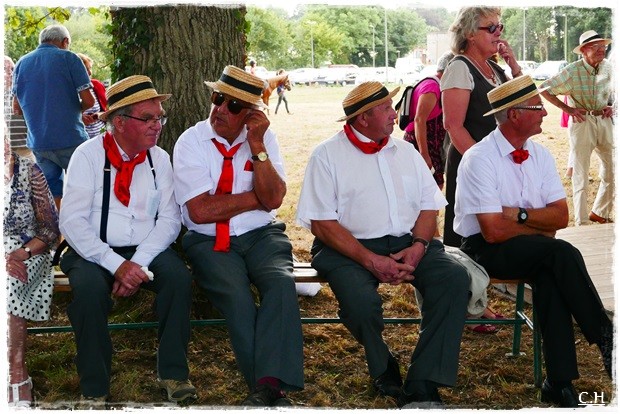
[[424, 243], [27, 250], [522, 216], [261, 156]]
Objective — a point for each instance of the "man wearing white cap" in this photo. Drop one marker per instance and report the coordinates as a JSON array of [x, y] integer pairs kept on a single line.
[[372, 203], [120, 218], [509, 203], [588, 85], [229, 181]]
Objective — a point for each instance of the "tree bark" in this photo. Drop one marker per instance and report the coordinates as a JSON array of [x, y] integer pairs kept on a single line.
[[179, 47]]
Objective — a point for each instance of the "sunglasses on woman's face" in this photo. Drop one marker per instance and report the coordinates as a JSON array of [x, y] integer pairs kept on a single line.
[[234, 106], [493, 28]]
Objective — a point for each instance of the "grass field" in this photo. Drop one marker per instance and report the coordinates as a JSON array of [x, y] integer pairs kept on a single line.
[[335, 369]]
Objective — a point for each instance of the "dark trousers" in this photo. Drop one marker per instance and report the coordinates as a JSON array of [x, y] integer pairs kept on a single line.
[[450, 237], [442, 281], [88, 312], [562, 287], [266, 337]]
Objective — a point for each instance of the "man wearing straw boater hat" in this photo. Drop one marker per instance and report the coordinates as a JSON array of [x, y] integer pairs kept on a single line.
[[509, 203], [229, 181], [120, 218], [372, 203], [588, 84]]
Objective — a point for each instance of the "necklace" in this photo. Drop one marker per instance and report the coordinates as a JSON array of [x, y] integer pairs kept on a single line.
[[491, 77]]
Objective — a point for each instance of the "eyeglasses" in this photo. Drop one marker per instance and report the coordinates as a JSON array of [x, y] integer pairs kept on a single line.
[[597, 47], [234, 106], [530, 107], [493, 28], [150, 121]]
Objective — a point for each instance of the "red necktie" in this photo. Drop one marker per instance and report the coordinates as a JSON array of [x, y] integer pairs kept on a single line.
[[224, 186], [371, 147], [520, 155], [124, 169]]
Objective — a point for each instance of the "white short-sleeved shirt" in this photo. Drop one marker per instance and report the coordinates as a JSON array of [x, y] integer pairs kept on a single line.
[[488, 179], [371, 195], [198, 166]]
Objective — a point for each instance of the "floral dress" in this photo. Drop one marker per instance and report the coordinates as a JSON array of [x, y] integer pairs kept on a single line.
[[29, 211]]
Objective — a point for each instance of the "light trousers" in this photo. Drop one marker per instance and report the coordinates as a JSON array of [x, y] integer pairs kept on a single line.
[[594, 134]]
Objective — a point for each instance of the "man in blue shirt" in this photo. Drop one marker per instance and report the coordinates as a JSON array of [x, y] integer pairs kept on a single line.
[[51, 88]]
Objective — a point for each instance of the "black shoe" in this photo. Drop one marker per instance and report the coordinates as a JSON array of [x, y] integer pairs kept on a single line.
[[266, 396], [389, 383], [424, 394], [561, 396], [606, 345]]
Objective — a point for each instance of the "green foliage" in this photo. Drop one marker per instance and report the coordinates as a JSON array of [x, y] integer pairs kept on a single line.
[[132, 26], [23, 24], [87, 28], [268, 38]]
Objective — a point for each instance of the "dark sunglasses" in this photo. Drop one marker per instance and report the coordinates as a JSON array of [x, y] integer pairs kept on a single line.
[[234, 106], [493, 28]]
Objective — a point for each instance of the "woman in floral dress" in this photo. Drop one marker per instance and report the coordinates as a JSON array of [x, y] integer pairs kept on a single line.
[[30, 233]]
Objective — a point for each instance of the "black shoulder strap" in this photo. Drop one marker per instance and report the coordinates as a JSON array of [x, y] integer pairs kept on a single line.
[[105, 202]]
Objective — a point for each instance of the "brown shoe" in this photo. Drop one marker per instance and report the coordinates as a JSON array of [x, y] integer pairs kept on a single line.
[[598, 219]]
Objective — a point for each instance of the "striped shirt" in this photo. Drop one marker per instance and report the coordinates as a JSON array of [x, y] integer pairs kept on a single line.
[[586, 87]]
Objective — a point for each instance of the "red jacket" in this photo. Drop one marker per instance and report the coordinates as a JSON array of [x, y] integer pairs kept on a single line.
[[99, 89]]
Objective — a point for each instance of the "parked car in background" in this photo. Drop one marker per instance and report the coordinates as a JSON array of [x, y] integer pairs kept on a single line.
[[548, 69], [376, 74], [337, 75], [527, 66], [303, 76], [408, 75]]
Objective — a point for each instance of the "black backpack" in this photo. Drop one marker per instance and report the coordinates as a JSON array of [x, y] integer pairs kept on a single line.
[[404, 109]]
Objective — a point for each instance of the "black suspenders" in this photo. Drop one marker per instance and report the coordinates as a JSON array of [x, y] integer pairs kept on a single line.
[[105, 202]]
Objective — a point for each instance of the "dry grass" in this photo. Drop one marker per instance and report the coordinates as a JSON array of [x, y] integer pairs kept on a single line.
[[335, 369]]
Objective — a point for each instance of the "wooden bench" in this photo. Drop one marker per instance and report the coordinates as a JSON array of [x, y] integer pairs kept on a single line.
[[304, 273]]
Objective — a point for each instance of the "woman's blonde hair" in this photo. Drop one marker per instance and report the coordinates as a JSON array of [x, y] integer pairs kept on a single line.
[[467, 22]]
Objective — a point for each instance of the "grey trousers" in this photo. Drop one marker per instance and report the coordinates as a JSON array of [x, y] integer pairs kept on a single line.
[[442, 281], [266, 337], [88, 312]]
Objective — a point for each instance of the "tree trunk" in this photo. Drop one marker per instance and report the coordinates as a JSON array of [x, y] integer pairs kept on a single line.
[[178, 47]]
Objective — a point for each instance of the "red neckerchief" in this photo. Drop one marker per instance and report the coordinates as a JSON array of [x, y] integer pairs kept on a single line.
[[124, 169], [520, 155], [224, 186], [371, 147]]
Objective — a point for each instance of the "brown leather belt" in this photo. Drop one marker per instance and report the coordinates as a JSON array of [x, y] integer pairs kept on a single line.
[[596, 112]]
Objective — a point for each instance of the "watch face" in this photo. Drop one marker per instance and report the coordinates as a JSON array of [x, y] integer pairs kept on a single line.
[[262, 156], [523, 215]]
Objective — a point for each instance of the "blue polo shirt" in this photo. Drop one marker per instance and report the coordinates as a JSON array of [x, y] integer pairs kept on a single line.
[[46, 82]]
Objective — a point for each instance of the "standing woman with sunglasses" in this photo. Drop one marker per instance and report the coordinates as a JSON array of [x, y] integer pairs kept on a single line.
[[464, 85], [475, 39]]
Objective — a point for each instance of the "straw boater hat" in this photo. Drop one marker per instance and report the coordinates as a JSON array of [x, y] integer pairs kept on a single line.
[[511, 93], [365, 96], [589, 37], [240, 84], [128, 91]]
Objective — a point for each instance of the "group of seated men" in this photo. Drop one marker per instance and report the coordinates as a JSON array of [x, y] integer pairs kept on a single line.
[[371, 203]]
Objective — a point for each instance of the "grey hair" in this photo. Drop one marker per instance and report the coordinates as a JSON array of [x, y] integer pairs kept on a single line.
[[443, 61], [466, 23], [109, 122], [501, 116], [54, 33]]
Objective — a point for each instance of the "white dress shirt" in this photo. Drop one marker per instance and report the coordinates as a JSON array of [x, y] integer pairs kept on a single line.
[[197, 170], [134, 225], [371, 195], [488, 179]]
